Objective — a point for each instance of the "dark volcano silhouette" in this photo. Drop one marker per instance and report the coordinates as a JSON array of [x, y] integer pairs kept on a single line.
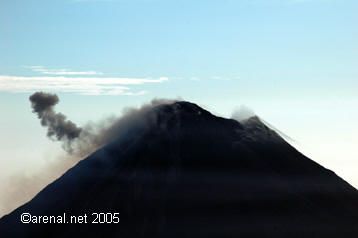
[[184, 172]]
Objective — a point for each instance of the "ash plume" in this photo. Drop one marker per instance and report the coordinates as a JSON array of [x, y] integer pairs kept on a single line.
[[58, 127], [83, 141]]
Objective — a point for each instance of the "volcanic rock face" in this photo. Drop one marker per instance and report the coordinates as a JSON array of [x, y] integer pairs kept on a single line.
[[183, 172]]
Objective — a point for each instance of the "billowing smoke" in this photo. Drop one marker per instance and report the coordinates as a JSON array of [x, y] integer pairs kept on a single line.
[[83, 141], [96, 135], [58, 127]]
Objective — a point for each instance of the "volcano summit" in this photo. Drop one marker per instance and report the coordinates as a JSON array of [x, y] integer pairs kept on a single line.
[[183, 172]]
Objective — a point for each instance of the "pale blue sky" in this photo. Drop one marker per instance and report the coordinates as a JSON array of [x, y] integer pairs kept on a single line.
[[294, 62]]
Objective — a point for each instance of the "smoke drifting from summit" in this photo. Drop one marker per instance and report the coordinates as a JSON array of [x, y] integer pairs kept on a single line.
[[83, 141], [58, 126]]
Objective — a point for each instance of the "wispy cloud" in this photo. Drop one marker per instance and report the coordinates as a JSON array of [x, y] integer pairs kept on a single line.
[[43, 70], [79, 85], [216, 78]]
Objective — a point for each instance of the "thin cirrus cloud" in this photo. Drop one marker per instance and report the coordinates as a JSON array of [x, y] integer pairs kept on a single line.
[[43, 70], [78, 85]]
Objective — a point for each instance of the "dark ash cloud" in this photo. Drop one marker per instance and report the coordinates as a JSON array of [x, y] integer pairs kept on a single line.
[[83, 141], [58, 127]]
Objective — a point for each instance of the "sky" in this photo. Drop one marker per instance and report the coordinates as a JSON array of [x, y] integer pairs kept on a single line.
[[293, 62]]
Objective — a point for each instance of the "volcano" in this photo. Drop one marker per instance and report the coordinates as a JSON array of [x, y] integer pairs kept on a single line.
[[184, 172]]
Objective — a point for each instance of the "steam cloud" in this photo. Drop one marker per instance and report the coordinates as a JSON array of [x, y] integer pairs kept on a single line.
[[243, 113]]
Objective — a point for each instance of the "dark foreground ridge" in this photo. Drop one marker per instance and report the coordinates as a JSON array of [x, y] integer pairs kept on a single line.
[[183, 172]]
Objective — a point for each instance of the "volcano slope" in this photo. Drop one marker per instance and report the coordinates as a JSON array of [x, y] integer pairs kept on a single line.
[[182, 172]]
